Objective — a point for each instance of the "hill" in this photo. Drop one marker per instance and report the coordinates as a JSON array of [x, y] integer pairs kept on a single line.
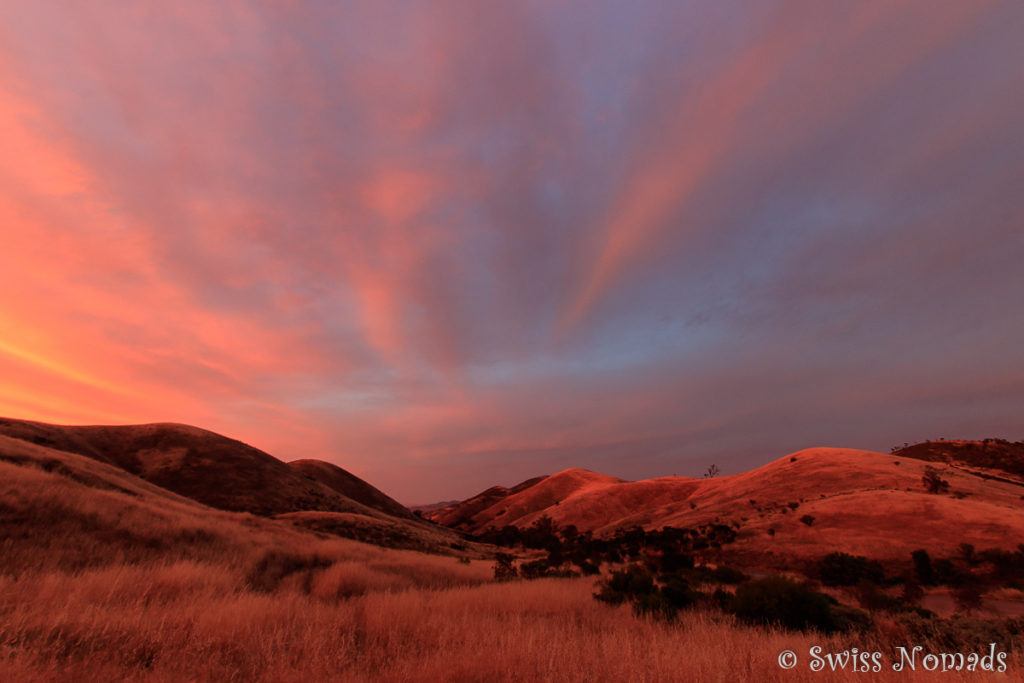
[[464, 515], [990, 454], [162, 464], [201, 465], [854, 501], [350, 486]]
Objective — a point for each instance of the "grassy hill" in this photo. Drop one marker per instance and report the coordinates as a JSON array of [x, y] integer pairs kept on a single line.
[[854, 501], [99, 486], [988, 454], [204, 466]]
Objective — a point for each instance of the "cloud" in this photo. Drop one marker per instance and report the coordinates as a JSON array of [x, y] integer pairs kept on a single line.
[[456, 245]]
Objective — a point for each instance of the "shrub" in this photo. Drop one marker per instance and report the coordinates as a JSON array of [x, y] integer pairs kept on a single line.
[[807, 519], [625, 584], [729, 575], [948, 573], [665, 602], [873, 598], [504, 569], [792, 605], [672, 561], [534, 570], [587, 568], [842, 569], [923, 567], [933, 481]]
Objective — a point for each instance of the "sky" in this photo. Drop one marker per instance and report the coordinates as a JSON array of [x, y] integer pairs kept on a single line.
[[449, 245]]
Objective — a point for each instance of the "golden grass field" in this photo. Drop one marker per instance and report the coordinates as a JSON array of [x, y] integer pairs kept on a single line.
[[105, 577], [394, 617]]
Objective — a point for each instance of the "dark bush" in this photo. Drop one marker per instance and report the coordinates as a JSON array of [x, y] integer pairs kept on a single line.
[[722, 574], [873, 598], [792, 605], [933, 481], [729, 575], [948, 573], [923, 567], [504, 569], [677, 593], [624, 584], [535, 569], [842, 569], [1007, 567], [672, 560], [664, 602]]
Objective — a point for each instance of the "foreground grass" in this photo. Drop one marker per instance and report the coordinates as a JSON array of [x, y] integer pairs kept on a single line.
[[191, 621]]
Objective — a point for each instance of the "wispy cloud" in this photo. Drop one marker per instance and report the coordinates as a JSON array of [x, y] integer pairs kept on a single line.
[[455, 244]]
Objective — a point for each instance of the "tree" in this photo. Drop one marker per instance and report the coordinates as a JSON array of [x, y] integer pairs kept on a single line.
[[712, 472], [783, 601], [923, 567], [843, 569], [933, 481], [807, 519], [504, 570]]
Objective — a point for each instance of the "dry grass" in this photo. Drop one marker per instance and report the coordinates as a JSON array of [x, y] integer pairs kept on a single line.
[[101, 584], [192, 621]]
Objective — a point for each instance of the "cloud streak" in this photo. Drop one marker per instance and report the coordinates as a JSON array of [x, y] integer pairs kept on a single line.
[[460, 245]]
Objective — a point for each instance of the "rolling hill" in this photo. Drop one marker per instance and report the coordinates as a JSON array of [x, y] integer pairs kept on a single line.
[[172, 464], [209, 468], [988, 454], [855, 501]]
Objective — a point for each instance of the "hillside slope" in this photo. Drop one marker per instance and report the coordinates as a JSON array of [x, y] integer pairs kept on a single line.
[[207, 467], [989, 454], [63, 510], [860, 501], [350, 486], [464, 515]]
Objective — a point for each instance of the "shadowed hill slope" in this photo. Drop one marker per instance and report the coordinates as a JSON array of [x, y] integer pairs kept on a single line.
[[991, 454], [72, 510], [349, 485], [201, 465]]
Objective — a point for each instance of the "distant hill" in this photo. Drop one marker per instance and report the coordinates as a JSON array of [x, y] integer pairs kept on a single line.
[[464, 515], [856, 501], [429, 507], [992, 454]]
